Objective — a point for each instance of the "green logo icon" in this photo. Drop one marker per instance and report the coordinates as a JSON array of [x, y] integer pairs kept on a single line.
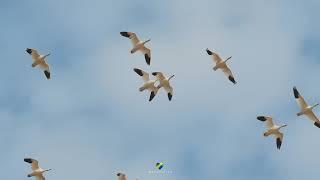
[[159, 165]]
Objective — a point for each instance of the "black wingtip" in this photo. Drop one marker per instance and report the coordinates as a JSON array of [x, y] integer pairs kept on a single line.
[[262, 118], [279, 143], [125, 34], [47, 73], [148, 59], [295, 92], [317, 124], [138, 71], [169, 96], [28, 160], [29, 51], [152, 94], [209, 52], [232, 80]]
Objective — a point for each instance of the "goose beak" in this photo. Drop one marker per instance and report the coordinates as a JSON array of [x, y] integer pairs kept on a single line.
[[47, 55], [171, 77]]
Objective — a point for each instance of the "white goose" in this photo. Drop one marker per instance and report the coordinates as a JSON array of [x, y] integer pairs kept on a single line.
[[148, 84], [36, 170], [272, 129], [164, 82], [305, 108], [39, 60], [138, 45], [122, 176], [221, 64]]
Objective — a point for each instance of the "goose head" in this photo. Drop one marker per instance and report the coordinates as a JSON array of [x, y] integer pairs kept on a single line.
[[170, 77], [43, 57], [146, 41], [228, 59], [282, 126], [315, 105], [46, 170]]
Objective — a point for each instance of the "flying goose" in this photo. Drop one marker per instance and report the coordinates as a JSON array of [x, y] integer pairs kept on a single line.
[[272, 129], [221, 64], [36, 170], [164, 82], [122, 176], [305, 108], [148, 84], [39, 60], [138, 45]]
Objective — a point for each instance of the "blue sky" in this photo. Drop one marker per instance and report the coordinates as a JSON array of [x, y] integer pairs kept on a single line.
[[90, 121]]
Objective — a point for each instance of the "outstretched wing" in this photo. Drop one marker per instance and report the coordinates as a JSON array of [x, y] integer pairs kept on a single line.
[[46, 69], [34, 163], [300, 100], [143, 74], [215, 57], [147, 54], [267, 119], [134, 39], [279, 138], [169, 90], [226, 70], [159, 75], [312, 116], [34, 53]]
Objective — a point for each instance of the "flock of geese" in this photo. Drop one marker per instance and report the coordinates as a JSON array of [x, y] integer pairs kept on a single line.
[[139, 45], [162, 81], [37, 171], [305, 109]]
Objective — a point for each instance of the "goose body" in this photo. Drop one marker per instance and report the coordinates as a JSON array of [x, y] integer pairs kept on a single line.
[[148, 84], [40, 61], [221, 64], [138, 45], [164, 82], [272, 129], [36, 170], [305, 109]]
